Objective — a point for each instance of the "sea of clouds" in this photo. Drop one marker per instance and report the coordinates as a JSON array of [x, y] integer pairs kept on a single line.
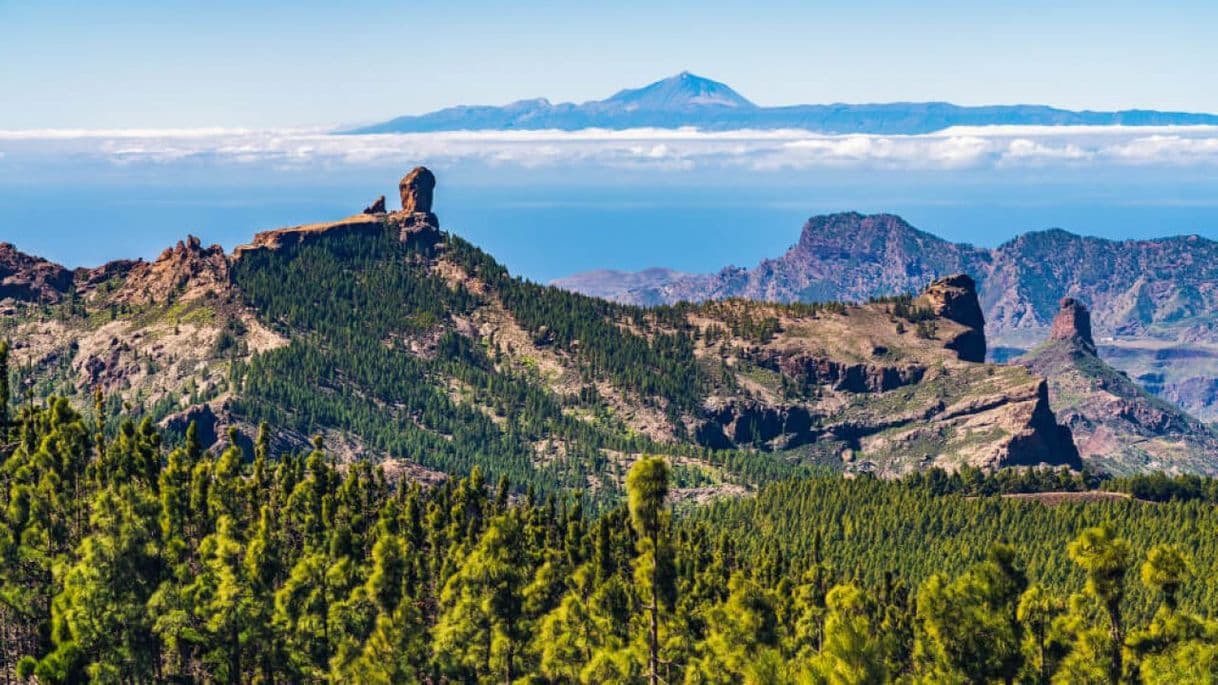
[[990, 147]]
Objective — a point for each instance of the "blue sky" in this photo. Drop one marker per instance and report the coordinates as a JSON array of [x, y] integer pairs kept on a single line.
[[187, 64], [209, 118]]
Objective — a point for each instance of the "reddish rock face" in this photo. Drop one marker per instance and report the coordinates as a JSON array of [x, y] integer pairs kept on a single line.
[[1073, 323], [416, 189], [185, 271], [24, 277]]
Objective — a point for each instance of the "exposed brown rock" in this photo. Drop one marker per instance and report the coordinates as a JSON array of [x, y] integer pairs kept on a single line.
[[750, 422], [87, 279], [410, 225], [377, 207], [186, 271], [1073, 323], [1141, 293], [416, 189], [28, 278], [955, 298], [415, 219], [821, 370]]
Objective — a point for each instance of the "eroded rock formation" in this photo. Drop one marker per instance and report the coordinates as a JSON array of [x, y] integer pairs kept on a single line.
[[415, 221], [186, 271], [955, 299], [416, 189], [1073, 323]]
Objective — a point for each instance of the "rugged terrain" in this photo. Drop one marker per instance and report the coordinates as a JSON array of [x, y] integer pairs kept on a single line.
[[395, 341], [1118, 426], [1154, 301]]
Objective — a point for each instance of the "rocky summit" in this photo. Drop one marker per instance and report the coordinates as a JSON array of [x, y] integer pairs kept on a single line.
[[1073, 324], [397, 342]]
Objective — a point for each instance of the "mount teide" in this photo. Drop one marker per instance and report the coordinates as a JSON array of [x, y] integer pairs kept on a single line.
[[1154, 302], [689, 100]]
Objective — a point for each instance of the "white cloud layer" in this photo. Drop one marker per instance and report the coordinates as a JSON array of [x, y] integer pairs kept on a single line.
[[951, 149]]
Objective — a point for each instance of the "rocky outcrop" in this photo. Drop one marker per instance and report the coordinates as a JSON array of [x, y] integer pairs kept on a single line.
[[89, 279], [812, 369], [955, 299], [208, 426], [747, 423], [416, 189], [27, 278], [414, 222], [1073, 324], [377, 207], [184, 272], [1012, 426], [1036, 436], [415, 218]]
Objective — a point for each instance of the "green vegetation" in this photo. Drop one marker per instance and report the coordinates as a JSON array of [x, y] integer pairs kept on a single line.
[[354, 304], [374, 349], [122, 560]]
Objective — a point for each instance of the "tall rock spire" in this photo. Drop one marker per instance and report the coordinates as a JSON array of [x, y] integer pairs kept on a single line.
[[1073, 324]]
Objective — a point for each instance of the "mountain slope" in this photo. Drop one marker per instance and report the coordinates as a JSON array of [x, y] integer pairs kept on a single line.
[[689, 100], [1155, 301], [395, 341], [1118, 426]]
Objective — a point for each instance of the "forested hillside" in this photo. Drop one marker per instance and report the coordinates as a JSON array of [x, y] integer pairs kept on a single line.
[[124, 561]]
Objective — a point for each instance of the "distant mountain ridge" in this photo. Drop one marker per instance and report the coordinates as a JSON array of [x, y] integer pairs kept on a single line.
[[1155, 302], [688, 100]]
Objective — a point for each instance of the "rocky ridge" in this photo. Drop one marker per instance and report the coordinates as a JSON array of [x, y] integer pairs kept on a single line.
[[1154, 302]]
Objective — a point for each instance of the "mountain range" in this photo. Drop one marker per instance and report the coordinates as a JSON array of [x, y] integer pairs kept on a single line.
[[687, 100], [392, 340], [1154, 301]]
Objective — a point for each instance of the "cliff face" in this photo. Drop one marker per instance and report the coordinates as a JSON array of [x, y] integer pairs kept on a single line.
[[1118, 426], [1153, 302], [955, 298], [849, 257]]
